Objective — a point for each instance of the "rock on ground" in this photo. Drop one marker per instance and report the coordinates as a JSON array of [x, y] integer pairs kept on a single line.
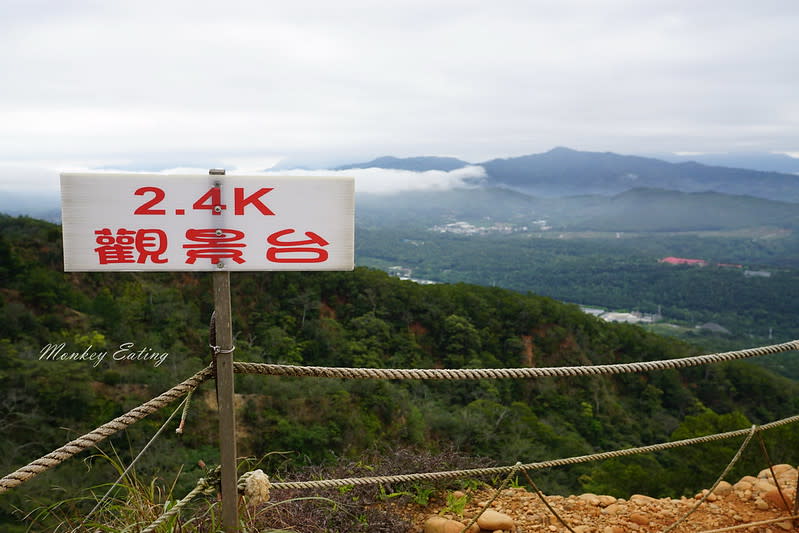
[[750, 499]]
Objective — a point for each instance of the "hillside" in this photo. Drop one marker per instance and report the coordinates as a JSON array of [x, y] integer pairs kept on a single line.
[[363, 318]]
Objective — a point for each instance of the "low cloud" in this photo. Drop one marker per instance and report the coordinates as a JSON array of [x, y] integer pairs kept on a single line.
[[388, 181], [43, 177]]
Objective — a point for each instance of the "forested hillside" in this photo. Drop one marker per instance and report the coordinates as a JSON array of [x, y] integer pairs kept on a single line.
[[361, 318]]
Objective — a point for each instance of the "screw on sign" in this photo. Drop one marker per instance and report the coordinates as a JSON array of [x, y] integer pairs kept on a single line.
[[121, 248]]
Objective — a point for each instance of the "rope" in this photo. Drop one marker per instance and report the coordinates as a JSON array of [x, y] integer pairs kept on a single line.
[[106, 430], [494, 497], [771, 470], [479, 472], [499, 373], [254, 485], [726, 471], [184, 414], [751, 524], [546, 503], [205, 485], [135, 460]]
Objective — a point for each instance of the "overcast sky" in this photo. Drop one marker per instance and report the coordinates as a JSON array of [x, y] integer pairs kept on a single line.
[[157, 84]]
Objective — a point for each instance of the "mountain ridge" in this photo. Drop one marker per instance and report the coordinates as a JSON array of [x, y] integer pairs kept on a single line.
[[563, 171]]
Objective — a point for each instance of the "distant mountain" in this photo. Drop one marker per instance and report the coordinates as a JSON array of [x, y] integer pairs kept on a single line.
[[635, 210], [44, 205], [766, 162], [562, 172], [422, 209], [658, 210], [566, 172], [419, 164]]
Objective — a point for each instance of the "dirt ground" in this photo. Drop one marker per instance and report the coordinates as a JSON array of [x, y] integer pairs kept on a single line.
[[740, 507]]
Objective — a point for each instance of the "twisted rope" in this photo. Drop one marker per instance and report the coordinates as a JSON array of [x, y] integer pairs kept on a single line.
[[752, 524], [545, 502], [480, 472], [106, 430], [205, 485], [500, 373], [487, 504], [721, 477], [254, 484], [115, 484]]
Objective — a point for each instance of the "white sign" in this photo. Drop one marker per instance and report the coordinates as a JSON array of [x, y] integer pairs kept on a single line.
[[143, 222]]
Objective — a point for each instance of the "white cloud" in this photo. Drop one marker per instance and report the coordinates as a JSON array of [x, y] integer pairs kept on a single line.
[[386, 181], [43, 176]]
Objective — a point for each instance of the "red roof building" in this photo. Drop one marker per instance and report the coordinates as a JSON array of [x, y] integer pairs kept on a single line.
[[683, 261]]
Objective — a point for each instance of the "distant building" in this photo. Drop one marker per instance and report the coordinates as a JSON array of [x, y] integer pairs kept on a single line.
[[757, 274], [714, 328], [683, 261], [627, 318]]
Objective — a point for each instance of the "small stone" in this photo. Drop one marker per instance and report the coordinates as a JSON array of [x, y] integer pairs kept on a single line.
[[613, 529], [591, 499], [762, 485], [723, 489], [774, 499], [493, 520], [605, 500], [640, 499], [642, 519], [439, 524], [583, 529], [760, 504], [786, 525]]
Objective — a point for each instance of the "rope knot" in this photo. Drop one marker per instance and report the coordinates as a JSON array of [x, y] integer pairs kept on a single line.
[[255, 486]]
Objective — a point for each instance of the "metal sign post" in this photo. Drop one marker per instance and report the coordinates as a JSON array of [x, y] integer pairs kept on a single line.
[[227, 414], [223, 361]]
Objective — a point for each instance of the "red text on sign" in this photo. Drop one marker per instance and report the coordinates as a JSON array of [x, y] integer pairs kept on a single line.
[[214, 244], [210, 200], [147, 207], [283, 251], [130, 246], [254, 199]]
